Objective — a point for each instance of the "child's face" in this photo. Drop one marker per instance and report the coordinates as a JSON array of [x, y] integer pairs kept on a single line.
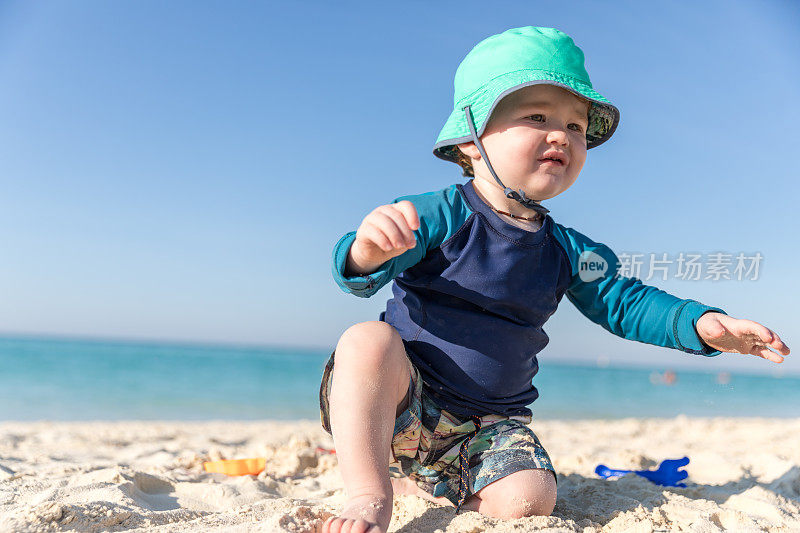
[[526, 125]]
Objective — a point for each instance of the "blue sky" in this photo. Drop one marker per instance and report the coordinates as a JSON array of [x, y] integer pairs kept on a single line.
[[181, 170]]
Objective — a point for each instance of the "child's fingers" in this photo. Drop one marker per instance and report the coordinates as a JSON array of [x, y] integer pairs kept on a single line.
[[763, 332], [769, 337], [388, 227], [766, 353], [409, 212], [778, 344], [374, 234], [395, 223]]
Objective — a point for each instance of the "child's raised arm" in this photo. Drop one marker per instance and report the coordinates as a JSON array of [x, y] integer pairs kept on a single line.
[[395, 237], [386, 232]]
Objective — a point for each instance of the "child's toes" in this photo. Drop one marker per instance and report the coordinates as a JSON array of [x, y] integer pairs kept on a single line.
[[348, 525]]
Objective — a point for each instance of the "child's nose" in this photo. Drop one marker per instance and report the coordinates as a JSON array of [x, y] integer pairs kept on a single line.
[[558, 135]]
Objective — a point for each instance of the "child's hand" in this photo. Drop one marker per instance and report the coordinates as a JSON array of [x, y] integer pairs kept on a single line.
[[383, 234], [728, 334]]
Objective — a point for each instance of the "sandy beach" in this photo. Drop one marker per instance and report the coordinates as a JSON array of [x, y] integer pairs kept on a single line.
[[148, 476]]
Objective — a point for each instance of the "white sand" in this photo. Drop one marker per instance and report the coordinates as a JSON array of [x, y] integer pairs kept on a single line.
[[114, 476]]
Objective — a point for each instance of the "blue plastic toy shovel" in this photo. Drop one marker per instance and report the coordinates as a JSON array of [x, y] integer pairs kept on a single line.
[[667, 474]]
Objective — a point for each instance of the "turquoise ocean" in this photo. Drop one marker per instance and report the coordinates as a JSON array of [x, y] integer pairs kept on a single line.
[[57, 379]]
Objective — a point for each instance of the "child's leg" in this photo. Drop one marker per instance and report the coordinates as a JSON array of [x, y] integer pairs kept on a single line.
[[370, 380], [512, 474], [523, 493]]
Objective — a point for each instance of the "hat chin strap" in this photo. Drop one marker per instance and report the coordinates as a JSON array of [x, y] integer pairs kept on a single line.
[[520, 197]]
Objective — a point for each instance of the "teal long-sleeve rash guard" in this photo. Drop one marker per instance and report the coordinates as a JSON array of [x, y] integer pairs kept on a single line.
[[471, 298]]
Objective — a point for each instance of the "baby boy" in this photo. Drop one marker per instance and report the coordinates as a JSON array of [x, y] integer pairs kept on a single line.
[[439, 386]]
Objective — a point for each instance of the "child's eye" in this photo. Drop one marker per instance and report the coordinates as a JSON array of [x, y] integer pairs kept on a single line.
[[540, 118]]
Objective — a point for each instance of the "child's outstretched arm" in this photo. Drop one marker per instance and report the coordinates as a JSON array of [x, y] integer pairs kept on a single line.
[[735, 335], [630, 309]]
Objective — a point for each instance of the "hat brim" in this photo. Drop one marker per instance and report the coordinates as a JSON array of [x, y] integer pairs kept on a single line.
[[603, 116]]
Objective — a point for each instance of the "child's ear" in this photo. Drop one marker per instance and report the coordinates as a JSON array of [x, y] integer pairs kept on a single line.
[[470, 150]]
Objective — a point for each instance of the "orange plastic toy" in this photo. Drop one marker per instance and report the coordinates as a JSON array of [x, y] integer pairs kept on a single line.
[[237, 467]]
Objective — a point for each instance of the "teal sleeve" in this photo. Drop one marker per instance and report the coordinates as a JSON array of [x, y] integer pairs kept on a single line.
[[625, 306], [441, 214]]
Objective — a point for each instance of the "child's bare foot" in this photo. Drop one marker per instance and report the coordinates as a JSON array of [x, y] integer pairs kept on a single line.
[[363, 514]]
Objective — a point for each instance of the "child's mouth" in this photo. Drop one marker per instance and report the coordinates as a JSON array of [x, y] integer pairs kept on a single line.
[[551, 162]]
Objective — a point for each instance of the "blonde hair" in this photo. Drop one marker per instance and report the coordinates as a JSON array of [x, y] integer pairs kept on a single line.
[[463, 161]]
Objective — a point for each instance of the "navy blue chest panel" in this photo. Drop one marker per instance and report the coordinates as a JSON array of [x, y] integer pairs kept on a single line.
[[496, 275]]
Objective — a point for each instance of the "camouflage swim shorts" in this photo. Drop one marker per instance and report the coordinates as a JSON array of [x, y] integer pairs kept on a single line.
[[426, 443]]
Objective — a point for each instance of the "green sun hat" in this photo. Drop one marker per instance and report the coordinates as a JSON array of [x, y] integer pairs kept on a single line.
[[509, 61]]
